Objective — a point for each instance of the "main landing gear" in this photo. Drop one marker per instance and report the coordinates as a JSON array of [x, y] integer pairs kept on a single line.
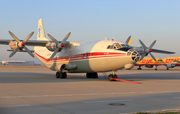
[[113, 77], [139, 68], [156, 68], [92, 75], [61, 75]]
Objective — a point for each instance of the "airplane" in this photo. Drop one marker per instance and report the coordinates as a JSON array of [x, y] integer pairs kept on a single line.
[[149, 63], [169, 62], [71, 57]]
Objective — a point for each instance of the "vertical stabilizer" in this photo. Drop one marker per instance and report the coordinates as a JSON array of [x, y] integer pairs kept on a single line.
[[40, 31], [41, 52], [128, 41]]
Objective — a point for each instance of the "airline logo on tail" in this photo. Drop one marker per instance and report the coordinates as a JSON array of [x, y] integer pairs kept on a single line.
[[39, 31]]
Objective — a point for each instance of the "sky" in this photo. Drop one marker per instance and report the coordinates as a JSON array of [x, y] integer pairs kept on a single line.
[[89, 20]]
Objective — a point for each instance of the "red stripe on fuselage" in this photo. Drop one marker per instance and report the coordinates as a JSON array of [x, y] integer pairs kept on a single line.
[[83, 56]]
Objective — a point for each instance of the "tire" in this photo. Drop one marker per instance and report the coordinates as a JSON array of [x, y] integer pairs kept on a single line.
[[64, 75], [110, 76], [87, 75], [57, 75], [115, 76], [94, 75]]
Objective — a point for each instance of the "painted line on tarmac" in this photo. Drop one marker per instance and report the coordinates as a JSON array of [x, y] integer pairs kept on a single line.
[[15, 105], [127, 100], [87, 94]]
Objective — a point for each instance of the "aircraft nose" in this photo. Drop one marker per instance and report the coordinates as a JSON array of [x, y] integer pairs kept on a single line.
[[134, 55]]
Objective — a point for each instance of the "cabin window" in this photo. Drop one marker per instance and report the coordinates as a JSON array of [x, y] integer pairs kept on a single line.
[[108, 46]]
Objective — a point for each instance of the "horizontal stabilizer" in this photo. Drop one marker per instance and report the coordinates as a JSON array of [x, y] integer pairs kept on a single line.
[[21, 50]]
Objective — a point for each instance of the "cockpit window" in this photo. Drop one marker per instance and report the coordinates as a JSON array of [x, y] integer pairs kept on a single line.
[[116, 46], [123, 45]]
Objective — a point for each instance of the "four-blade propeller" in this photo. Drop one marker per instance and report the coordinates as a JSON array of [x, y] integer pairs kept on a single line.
[[147, 50], [59, 46], [21, 45]]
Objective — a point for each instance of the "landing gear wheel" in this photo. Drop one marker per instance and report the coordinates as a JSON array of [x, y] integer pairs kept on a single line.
[[167, 68], [88, 75], [64, 75], [57, 75], [92, 75], [139, 68], [156, 69], [61, 75], [115, 76], [111, 76]]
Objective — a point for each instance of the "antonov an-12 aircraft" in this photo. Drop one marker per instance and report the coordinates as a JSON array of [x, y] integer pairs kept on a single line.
[[70, 57]]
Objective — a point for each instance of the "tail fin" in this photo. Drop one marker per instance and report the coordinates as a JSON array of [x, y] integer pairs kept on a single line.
[[128, 41], [40, 31], [41, 52]]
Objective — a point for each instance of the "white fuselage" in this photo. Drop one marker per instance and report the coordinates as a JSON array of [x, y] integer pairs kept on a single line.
[[88, 57]]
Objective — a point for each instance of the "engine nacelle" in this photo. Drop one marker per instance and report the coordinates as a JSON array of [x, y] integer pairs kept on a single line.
[[129, 66], [13, 45], [51, 46], [171, 65], [62, 67], [149, 66], [70, 66]]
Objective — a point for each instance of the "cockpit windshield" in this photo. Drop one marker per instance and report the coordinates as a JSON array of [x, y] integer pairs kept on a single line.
[[116, 46]]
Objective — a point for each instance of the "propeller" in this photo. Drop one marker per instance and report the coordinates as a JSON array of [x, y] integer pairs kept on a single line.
[[147, 50], [59, 46], [20, 44]]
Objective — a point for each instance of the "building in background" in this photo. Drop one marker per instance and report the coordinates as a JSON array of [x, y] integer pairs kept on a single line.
[[19, 63]]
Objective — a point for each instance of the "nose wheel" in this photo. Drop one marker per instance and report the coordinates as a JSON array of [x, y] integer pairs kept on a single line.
[[113, 77]]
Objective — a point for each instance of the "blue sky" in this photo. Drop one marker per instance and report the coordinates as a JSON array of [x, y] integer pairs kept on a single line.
[[89, 20]]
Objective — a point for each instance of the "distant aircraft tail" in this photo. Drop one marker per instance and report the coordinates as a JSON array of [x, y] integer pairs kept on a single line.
[[128, 41]]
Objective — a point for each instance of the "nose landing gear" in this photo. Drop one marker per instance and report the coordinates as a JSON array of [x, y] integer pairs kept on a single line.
[[113, 77]]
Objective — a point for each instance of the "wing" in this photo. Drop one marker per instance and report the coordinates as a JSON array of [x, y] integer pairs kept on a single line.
[[28, 43], [162, 51]]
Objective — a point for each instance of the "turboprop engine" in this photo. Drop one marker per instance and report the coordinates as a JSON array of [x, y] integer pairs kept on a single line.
[[18, 45], [58, 46], [171, 65], [51, 46]]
